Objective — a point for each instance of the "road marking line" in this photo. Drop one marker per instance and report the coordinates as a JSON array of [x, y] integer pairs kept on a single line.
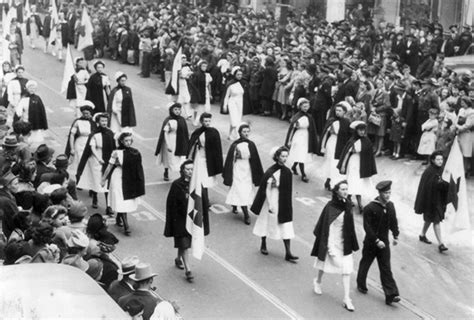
[[279, 304], [157, 183]]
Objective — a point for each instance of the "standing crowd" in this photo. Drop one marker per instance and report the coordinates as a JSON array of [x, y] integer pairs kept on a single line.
[[352, 92]]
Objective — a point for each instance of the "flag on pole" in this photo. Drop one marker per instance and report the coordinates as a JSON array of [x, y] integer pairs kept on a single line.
[[69, 69], [5, 37], [28, 9], [194, 219], [457, 210], [53, 36], [85, 34], [173, 86]]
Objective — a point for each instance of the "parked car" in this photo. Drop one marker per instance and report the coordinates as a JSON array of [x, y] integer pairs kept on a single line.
[[463, 63]]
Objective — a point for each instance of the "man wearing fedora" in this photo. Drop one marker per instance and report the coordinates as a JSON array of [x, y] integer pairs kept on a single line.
[[42, 156], [123, 287], [9, 151], [143, 278], [8, 206], [379, 218]]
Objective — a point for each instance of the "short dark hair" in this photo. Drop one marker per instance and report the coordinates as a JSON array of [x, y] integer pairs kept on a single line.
[[336, 188], [279, 152], [57, 178], [22, 128], [205, 115]]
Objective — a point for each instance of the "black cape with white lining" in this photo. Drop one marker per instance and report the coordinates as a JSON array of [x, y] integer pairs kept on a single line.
[[128, 108], [133, 178], [68, 146], [342, 136], [213, 149], [177, 209], [285, 206], [37, 113], [312, 135], [182, 136], [95, 92], [108, 145], [331, 211], [368, 167], [255, 163]]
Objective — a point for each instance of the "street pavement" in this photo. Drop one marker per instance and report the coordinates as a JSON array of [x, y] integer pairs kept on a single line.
[[233, 280]]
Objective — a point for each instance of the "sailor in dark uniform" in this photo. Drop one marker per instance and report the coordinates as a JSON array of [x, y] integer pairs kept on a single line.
[[379, 218]]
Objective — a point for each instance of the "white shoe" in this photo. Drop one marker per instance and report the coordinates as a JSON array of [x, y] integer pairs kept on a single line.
[[54, 54], [347, 304], [317, 287]]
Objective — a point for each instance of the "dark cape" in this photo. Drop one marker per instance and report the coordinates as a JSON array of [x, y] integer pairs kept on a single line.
[[37, 113], [342, 136], [312, 135], [128, 109], [330, 213], [213, 149], [133, 178], [431, 197], [177, 209], [246, 107], [95, 92], [368, 167], [67, 151], [108, 145], [182, 136], [71, 89], [197, 86], [255, 163], [285, 206]]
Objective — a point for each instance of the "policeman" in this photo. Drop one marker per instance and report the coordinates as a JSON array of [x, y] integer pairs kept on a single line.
[[379, 218]]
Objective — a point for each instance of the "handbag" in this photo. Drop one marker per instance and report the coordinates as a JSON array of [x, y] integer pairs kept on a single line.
[[375, 119]]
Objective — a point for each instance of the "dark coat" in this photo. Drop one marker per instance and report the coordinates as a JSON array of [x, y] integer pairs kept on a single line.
[[182, 136], [321, 231], [398, 47], [95, 92], [8, 208], [426, 101], [346, 89], [41, 169], [322, 104], [71, 89], [431, 197], [177, 209], [64, 34], [37, 21], [149, 299], [378, 220], [368, 167], [408, 115], [133, 177], [197, 87], [37, 113], [213, 148], [71, 21], [313, 147], [285, 206], [425, 68], [267, 86], [255, 163], [342, 137], [128, 108], [449, 47], [411, 56], [46, 26], [118, 289]]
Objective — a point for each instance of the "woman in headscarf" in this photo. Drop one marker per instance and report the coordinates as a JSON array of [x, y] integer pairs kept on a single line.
[[172, 145], [335, 241], [242, 171], [95, 159], [335, 136], [431, 198], [276, 221], [127, 180], [98, 88], [234, 101], [79, 133], [120, 106], [199, 85], [357, 162], [77, 86], [301, 138], [31, 109]]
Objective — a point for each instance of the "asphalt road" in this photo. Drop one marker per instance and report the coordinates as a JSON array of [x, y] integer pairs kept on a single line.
[[233, 280]]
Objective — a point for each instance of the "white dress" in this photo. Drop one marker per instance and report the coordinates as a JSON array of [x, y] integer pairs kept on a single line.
[[184, 96], [299, 143], [356, 184], [337, 262], [22, 111], [428, 139], [234, 102], [116, 116], [166, 158], [92, 173], [82, 129], [200, 163], [241, 192], [330, 163], [267, 223], [81, 90], [117, 202]]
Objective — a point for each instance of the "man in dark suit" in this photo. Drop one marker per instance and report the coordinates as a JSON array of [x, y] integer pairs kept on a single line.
[[8, 206], [379, 218], [143, 278], [348, 87], [411, 55], [119, 289], [398, 45]]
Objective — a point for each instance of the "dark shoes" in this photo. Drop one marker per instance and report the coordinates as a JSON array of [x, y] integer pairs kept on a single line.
[[424, 239], [109, 212], [362, 290], [291, 258], [247, 220], [304, 178], [391, 299], [178, 263], [327, 185], [264, 251], [189, 276], [294, 171], [442, 248]]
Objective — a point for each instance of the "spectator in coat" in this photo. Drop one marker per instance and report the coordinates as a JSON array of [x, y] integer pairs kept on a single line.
[[267, 87], [123, 287], [8, 206], [425, 68]]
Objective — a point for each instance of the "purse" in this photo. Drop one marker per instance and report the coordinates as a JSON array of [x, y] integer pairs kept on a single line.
[[375, 119]]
